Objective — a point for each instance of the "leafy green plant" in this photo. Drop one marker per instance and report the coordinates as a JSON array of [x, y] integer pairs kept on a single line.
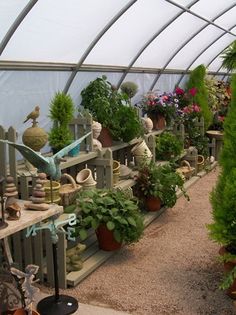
[[229, 57], [61, 113], [223, 199], [112, 109], [197, 80], [112, 208], [129, 88], [158, 181], [168, 146]]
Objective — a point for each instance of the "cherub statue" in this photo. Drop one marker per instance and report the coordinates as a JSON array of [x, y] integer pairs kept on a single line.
[[25, 284], [33, 115]]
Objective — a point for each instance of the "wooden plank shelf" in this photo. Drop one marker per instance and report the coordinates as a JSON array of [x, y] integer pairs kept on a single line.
[[94, 257]]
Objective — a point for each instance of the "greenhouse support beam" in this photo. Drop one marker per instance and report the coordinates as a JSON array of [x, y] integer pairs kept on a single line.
[[203, 50], [94, 42], [150, 41], [186, 42], [16, 23]]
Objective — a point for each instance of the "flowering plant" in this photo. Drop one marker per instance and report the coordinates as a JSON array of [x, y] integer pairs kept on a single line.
[[185, 97], [165, 104]]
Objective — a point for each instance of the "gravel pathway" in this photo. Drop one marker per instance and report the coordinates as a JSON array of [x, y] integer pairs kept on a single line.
[[173, 269]]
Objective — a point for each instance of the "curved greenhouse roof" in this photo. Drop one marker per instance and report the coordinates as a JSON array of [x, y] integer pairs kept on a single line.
[[51, 45]]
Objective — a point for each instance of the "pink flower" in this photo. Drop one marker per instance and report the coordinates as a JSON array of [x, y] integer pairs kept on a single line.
[[179, 91], [196, 108], [186, 110], [192, 91], [221, 118]]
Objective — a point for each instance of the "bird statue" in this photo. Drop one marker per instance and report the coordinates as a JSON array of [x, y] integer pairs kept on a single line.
[[49, 165], [33, 115]]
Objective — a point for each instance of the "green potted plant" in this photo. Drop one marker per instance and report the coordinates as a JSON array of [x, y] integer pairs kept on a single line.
[[223, 228], [61, 113], [111, 108], [229, 57], [168, 146], [156, 185], [115, 217], [129, 88]]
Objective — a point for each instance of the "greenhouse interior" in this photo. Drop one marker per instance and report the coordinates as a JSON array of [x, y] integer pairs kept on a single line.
[[117, 149]]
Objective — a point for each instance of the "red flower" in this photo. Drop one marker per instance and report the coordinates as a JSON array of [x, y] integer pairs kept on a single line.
[[179, 91], [192, 91]]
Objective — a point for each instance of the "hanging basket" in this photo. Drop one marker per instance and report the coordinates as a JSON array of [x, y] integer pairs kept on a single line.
[[68, 191], [185, 169]]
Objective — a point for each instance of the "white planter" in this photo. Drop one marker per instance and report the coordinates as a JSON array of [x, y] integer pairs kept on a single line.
[[141, 151]]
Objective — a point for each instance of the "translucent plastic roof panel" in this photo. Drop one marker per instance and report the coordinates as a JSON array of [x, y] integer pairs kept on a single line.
[[9, 10], [59, 30], [198, 43], [214, 49], [228, 19], [169, 40], [131, 32], [210, 8]]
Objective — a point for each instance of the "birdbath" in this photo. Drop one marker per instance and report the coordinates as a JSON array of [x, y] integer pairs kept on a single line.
[[218, 136]]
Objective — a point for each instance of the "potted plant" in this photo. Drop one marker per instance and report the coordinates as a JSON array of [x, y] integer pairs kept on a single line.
[[115, 218], [168, 146], [223, 228], [162, 108], [129, 88], [111, 108], [61, 113], [156, 185]]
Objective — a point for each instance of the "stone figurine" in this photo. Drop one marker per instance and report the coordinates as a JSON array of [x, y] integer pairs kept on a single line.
[[33, 115]]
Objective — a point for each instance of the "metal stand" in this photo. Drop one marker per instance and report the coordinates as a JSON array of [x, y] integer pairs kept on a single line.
[[57, 304], [3, 224]]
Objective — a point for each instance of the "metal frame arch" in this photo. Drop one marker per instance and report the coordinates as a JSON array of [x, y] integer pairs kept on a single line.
[[16, 24], [151, 40], [94, 42], [185, 43], [203, 50]]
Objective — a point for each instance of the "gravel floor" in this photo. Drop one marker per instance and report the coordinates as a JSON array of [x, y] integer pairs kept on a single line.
[[172, 270]]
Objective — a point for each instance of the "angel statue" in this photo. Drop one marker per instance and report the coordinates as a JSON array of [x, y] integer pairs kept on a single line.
[[25, 285], [49, 165]]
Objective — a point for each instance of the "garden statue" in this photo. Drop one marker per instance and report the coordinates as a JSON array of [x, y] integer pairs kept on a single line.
[[33, 115], [49, 165], [12, 206]]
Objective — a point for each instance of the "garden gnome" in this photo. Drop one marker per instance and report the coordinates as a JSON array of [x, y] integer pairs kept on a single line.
[[38, 195], [33, 115], [12, 207]]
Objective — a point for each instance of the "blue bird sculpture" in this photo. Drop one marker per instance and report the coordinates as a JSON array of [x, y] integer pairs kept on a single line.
[[49, 165]]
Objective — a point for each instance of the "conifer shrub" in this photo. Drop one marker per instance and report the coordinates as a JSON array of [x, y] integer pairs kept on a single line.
[[197, 80]]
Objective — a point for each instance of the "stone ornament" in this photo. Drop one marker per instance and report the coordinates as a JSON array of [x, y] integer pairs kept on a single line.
[[12, 206]]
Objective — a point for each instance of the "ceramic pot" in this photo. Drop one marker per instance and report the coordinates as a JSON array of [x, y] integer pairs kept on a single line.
[[152, 203], [159, 122], [85, 179], [200, 163], [105, 137], [55, 192], [228, 266], [106, 240], [74, 151], [141, 151]]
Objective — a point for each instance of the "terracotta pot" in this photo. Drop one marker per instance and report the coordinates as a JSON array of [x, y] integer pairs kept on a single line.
[[228, 266], [159, 122], [106, 240], [153, 203], [141, 151], [21, 311], [85, 179], [105, 137]]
